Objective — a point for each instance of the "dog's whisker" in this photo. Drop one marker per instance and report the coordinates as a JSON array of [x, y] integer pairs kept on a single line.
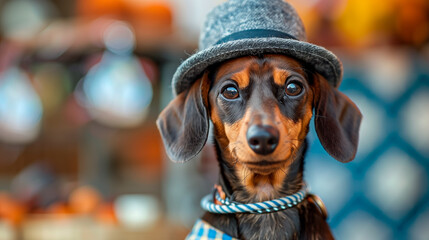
[[283, 169], [248, 174], [293, 139]]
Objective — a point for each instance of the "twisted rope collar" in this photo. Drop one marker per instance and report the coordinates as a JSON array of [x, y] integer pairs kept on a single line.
[[228, 206]]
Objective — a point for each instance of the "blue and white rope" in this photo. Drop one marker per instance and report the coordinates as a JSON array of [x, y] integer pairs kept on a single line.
[[260, 207]]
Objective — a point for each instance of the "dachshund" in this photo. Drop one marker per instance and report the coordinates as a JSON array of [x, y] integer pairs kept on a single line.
[[260, 108]]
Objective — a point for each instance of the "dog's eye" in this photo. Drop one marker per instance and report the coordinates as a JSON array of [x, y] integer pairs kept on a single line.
[[230, 92], [293, 89]]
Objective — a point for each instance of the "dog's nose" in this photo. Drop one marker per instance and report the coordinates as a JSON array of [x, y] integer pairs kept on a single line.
[[262, 139]]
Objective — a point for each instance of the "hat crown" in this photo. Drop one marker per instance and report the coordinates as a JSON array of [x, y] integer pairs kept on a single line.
[[236, 16]]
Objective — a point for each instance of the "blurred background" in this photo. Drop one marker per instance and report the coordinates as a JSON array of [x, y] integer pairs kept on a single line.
[[82, 82]]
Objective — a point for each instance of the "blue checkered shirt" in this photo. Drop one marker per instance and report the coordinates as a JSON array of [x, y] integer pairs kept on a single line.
[[204, 231]]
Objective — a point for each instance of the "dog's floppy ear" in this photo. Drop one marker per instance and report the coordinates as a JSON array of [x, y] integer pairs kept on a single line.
[[184, 123], [337, 121]]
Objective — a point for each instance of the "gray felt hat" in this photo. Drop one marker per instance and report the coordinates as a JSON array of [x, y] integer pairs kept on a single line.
[[253, 27]]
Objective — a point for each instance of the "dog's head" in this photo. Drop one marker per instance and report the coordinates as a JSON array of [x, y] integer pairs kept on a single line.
[[260, 108]]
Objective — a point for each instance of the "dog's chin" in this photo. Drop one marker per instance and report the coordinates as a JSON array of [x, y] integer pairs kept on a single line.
[[265, 167]]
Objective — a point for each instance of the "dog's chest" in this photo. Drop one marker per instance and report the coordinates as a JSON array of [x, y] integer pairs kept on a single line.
[[279, 225]]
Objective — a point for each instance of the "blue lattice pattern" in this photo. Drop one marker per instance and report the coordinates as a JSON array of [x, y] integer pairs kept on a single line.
[[383, 193]]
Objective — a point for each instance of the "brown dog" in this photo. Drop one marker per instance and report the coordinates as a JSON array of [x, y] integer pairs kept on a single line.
[[260, 107]]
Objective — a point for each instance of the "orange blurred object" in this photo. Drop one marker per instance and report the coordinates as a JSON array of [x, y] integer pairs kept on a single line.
[[158, 13], [148, 12], [97, 8], [11, 210], [412, 24], [84, 200], [60, 210], [362, 20], [152, 20], [105, 213]]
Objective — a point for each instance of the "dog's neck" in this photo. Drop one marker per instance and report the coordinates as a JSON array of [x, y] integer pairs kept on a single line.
[[279, 225]]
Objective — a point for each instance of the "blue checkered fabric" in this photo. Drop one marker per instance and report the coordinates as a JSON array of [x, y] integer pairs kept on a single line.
[[204, 231]]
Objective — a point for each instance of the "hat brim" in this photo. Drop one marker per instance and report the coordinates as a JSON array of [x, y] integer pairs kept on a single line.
[[322, 60]]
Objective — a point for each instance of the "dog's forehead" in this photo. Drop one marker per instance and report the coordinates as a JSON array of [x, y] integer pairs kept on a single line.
[[239, 69], [284, 62]]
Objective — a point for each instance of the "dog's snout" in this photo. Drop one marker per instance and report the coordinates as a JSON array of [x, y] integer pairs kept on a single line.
[[262, 139]]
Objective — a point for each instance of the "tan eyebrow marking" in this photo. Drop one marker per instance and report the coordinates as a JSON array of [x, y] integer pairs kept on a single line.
[[280, 76], [242, 78]]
